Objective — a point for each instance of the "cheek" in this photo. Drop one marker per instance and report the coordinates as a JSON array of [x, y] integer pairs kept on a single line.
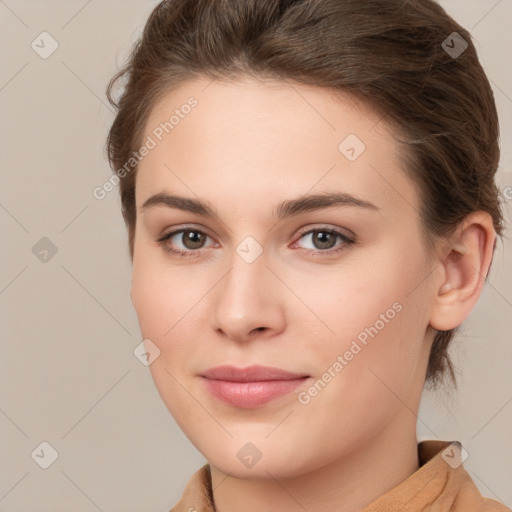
[[366, 291], [165, 298], [154, 300], [143, 292], [162, 316], [378, 312], [157, 291]]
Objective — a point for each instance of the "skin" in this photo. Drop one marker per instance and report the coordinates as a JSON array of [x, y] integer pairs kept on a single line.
[[247, 146]]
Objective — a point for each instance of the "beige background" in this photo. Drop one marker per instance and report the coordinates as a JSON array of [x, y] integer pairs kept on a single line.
[[68, 373]]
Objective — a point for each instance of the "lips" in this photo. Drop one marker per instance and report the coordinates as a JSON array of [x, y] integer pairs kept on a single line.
[[252, 386], [250, 374]]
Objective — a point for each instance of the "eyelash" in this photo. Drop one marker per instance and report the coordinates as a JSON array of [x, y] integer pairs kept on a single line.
[[328, 252]]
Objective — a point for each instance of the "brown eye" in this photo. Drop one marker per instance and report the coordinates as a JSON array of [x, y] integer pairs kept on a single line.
[[324, 240], [192, 239], [185, 242]]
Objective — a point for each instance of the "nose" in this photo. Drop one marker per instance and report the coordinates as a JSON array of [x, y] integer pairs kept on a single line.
[[249, 301]]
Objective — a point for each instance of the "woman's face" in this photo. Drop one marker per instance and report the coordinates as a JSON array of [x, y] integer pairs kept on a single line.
[[336, 293]]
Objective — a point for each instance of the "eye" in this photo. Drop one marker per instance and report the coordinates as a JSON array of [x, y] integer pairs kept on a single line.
[[324, 240], [191, 241], [188, 242]]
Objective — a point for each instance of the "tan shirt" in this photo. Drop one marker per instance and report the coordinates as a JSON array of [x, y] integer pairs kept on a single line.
[[441, 484]]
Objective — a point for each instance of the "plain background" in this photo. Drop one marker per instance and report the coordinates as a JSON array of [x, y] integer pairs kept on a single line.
[[68, 373]]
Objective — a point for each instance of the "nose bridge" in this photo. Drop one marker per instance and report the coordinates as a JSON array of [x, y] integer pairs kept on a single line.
[[243, 302], [244, 283]]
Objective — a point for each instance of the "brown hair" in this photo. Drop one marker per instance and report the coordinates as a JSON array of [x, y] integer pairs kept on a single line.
[[393, 54]]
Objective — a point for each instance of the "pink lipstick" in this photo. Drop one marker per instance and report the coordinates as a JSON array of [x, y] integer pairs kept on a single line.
[[250, 387]]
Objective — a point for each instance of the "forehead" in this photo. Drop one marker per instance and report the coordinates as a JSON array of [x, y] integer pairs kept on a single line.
[[269, 139]]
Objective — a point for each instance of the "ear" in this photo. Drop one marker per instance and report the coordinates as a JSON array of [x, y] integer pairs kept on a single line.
[[466, 262]]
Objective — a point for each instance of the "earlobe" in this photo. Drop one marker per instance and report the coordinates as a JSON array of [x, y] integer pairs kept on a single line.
[[465, 264]]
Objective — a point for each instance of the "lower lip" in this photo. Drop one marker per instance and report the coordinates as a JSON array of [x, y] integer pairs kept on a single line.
[[247, 395]]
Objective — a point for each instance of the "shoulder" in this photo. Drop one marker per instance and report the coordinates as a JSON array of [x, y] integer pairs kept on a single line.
[[469, 497], [459, 491]]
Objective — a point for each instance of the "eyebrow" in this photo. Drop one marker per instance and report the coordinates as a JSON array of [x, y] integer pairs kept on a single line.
[[288, 208]]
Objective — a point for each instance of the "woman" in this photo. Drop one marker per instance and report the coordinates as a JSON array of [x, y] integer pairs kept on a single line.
[[309, 193]]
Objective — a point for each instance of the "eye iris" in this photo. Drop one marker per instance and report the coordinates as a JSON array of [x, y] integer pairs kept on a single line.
[[323, 237], [193, 239]]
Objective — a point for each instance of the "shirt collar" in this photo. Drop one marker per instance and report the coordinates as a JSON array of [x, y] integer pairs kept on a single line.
[[440, 483]]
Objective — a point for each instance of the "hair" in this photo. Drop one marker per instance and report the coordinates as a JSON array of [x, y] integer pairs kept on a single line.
[[388, 53]]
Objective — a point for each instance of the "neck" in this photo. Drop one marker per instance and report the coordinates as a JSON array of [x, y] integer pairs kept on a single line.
[[346, 485]]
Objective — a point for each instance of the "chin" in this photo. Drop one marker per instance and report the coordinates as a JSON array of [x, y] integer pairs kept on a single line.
[[258, 460]]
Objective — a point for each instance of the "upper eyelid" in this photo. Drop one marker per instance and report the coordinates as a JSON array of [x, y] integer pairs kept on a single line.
[[175, 231], [340, 231]]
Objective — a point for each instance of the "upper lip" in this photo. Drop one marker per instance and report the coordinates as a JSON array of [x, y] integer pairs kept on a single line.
[[253, 373]]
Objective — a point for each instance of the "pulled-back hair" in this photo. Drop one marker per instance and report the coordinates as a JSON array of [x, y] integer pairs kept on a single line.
[[392, 54]]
